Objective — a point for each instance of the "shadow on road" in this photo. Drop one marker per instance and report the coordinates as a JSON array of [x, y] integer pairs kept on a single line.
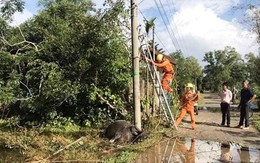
[[203, 123]]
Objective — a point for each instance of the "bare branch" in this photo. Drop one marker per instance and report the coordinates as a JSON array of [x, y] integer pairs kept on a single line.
[[19, 43], [40, 85], [21, 49], [104, 100], [21, 33], [66, 147], [24, 99], [26, 88]]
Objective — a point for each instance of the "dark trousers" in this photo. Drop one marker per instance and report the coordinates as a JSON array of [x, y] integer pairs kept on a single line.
[[244, 115], [225, 109]]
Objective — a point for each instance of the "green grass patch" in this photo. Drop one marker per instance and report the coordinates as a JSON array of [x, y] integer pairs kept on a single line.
[[57, 143], [256, 121], [201, 99]]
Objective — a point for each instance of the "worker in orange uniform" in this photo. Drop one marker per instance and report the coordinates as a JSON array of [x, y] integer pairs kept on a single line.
[[187, 104], [187, 155], [165, 64]]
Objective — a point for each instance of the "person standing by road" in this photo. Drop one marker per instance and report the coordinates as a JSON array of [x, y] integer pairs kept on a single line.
[[226, 97], [246, 97]]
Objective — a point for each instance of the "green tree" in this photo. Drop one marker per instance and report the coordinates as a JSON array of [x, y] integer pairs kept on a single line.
[[254, 18], [9, 7], [257, 69], [251, 66], [187, 69], [222, 67], [67, 62]]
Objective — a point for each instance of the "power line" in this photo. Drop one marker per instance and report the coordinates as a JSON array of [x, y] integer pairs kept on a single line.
[[169, 24], [176, 27], [155, 34], [165, 18], [177, 44], [162, 43], [165, 23]]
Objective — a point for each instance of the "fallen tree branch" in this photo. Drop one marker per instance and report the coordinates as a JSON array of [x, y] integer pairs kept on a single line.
[[62, 149]]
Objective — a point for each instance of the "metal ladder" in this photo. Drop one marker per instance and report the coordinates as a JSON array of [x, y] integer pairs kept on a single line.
[[144, 47]]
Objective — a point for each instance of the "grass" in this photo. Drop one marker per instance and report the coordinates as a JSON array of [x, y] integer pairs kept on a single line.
[[41, 144], [201, 99], [256, 121]]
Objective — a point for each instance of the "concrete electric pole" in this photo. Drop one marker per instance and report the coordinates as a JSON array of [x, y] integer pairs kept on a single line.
[[135, 63]]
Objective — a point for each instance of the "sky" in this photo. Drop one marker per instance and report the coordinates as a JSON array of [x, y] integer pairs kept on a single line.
[[193, 26]]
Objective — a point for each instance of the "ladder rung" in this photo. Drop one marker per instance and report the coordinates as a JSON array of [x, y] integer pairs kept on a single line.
[[161, 94]]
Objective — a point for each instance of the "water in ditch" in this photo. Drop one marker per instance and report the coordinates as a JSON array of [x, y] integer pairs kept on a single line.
[[193, 150], [11, 155]]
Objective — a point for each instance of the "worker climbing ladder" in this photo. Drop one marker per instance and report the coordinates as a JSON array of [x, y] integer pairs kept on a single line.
[[164, 103]]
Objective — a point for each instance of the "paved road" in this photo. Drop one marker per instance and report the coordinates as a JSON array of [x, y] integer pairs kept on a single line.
[[212, 100], [208, 126]]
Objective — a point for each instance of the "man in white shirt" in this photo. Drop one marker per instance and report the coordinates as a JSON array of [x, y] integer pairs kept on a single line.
[[226, 97]]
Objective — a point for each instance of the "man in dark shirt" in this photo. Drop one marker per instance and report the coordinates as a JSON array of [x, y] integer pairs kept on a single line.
[[247, 96]]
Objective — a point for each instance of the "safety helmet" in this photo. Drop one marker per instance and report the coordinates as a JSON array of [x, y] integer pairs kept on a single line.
[[189, 85], [159, 57]]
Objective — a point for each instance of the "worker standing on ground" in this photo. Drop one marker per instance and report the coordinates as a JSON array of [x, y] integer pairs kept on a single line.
[[187, 104], [165, 64]]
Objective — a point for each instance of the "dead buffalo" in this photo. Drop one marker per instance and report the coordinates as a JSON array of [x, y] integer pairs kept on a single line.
[[122, 132]]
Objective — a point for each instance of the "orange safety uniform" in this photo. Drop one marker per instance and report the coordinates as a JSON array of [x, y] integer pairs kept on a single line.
[[187, 155], [187, 103], [168, 73]]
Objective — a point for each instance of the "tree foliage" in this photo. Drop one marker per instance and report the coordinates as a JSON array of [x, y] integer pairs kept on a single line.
[[254, 18], [223, 66], [9, 7], [187, 69], [228, 66], [66, 62], [253, 61]]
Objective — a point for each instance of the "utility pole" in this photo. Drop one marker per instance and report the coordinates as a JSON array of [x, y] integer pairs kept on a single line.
[[135, 64]]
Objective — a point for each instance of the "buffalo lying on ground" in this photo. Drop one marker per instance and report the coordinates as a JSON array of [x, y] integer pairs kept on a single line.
[[122, 132]]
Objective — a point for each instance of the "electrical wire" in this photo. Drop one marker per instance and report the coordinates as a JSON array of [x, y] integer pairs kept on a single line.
[[173, 35], [182, 40], [164, 47], [165, 24]]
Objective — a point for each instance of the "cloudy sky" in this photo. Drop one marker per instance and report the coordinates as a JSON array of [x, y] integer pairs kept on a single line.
[[193, 26]]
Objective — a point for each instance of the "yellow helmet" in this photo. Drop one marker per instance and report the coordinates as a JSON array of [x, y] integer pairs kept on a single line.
[[159, 57], [189, 85]]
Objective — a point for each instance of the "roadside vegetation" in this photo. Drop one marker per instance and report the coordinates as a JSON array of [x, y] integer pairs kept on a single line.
[[66, 73], [70, 143], [256, 121]]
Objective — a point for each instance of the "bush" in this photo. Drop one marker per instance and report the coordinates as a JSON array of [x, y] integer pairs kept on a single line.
[[69, 52]]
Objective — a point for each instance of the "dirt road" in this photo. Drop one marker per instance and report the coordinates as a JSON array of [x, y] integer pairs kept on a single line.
[[208, 126]]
